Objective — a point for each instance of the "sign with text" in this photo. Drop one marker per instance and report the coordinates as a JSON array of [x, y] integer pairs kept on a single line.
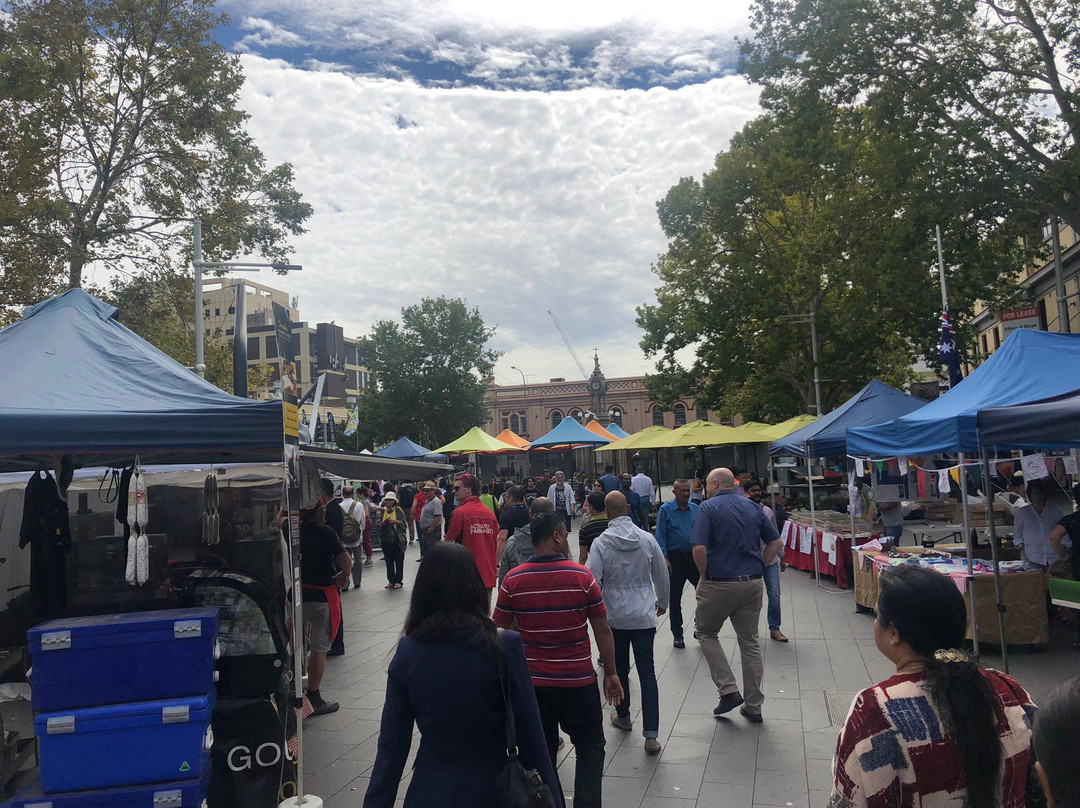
[[1018, 318]]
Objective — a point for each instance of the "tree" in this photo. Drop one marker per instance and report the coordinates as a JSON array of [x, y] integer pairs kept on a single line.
[[119, 119], [818, 209], [157, 306], [998, 77], [431, 374]]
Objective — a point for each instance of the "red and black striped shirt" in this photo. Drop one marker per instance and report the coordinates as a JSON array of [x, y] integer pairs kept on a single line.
[[552, 599]]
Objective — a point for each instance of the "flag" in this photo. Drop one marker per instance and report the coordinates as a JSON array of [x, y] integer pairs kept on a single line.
[[353, 423], [947, 348], [331, 428]]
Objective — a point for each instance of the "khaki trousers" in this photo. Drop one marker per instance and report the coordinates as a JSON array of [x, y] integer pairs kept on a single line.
[[739, 601]]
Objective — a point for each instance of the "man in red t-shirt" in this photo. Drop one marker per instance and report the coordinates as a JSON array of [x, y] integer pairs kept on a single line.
[[551, 598], [474, 526]]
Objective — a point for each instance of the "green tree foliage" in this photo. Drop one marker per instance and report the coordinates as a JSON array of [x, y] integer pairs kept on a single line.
[[430, 373], [998, 78], [817, 208], [158, 307], [119, 118]]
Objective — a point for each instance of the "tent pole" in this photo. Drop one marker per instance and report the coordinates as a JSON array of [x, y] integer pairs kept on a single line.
[[970, 560], [659, 477], [994, 555], [813, 520], [851, 503]]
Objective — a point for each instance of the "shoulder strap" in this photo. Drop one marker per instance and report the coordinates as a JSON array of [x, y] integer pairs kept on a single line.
[[352, 507], [511, 730]]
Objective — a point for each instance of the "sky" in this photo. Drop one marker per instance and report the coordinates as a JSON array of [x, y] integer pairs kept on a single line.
[[511, 154]]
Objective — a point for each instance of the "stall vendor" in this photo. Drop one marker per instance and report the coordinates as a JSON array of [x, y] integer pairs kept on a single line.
[[1032, 527]]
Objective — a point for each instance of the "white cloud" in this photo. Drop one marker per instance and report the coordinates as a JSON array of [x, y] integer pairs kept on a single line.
[[265, 34], [508, 44], [518, 201]]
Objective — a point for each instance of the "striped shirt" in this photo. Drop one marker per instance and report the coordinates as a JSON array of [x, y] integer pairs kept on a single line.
[[552, 599]]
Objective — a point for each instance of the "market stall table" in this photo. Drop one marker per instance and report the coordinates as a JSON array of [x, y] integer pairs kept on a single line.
[[832, 540], [1024, 593]]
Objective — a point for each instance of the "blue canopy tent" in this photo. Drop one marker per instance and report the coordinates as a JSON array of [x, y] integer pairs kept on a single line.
[[826, 437], [1052, 423], [617, 430], [1029, 366], [405, 449], [78, 382], [567, 433]]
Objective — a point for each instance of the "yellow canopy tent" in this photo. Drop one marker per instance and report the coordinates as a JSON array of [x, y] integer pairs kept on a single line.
[[649, 438], [476, 440]]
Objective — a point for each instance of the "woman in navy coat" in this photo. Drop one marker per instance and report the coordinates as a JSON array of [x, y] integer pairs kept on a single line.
[[445, 678]]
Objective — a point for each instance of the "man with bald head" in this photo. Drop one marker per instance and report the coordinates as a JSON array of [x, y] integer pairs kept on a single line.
[[733, 541], [630, 568]]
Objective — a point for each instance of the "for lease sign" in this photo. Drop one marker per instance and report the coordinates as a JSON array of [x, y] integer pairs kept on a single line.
[[1018, 318]]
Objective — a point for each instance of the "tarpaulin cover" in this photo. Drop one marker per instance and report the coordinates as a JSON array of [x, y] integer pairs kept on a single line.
[[405, 449], [825, 437], [1029, 366], [78, 382], [1053, 423]]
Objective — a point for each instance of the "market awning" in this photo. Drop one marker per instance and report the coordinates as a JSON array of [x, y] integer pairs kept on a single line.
[[476, 440], [568, 433], [514, 439], [372, 467], [617, 430], [595, 426], [1053, 423], [405, 449], [780, 430], [701, 433], [651, 437]]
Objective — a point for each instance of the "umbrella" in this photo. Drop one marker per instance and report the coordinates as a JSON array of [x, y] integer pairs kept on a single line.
[[785, 428], [594, 426], [617, 430], [649, 438], [476, 440], [508, 436], [701, 433], [569, 432]]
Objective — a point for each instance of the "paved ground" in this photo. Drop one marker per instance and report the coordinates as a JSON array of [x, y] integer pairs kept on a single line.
[[706, 762]]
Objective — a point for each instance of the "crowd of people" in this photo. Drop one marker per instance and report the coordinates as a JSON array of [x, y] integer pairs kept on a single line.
[[941, 730]]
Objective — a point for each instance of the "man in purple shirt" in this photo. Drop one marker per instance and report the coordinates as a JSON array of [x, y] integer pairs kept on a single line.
[[733, 541]]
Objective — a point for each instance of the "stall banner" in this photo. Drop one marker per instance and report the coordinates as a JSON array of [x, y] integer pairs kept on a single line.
[[1070, 465], [902, 461], [1034, 467], [788, 534], [860, 467], [943, 484], [806, 539]]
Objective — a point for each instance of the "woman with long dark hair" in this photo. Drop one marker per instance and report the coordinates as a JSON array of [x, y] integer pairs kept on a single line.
[[942, 729], [445, 678]]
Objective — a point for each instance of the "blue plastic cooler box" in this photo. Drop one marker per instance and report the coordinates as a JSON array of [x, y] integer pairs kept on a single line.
[[125, 744], [118, 658], [181, 794]]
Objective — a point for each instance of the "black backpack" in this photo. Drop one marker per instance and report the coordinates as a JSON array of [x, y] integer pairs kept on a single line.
[[406, 495]]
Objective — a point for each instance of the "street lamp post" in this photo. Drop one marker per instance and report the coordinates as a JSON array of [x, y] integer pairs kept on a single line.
[[525, 398], [800, 319], [200, 266]]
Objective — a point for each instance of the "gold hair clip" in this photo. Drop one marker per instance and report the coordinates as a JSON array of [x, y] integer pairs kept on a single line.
[[950, 655]]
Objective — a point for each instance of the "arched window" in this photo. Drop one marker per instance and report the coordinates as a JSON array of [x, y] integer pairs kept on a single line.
[[556, 418], [680, 415], [616, 415], [515, 424], [577, 415], [657, 416], [703, 413]]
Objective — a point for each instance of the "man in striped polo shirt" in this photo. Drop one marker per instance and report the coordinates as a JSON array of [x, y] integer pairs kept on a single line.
[[553, 600]]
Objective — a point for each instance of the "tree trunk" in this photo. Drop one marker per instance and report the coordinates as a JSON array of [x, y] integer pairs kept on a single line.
[[75, 268]]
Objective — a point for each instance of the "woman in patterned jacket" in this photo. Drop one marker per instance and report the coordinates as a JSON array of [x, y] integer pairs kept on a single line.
[[941, 731]]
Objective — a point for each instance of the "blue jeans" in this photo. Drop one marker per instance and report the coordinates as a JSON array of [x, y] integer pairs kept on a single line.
[[772, 589], [641, 639]]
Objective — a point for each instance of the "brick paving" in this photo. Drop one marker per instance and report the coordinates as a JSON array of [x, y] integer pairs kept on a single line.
[[706, 762]]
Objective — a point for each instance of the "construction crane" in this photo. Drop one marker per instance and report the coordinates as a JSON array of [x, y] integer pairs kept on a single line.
[[569, 347]]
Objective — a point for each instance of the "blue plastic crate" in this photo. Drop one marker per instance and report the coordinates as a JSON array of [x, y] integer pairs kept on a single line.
[[120, 658], [125, 744], [181, 794]]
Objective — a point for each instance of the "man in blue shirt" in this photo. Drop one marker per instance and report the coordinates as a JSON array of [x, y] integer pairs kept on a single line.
[[634, 501], [673, 524], [609, 480], [733, 541]]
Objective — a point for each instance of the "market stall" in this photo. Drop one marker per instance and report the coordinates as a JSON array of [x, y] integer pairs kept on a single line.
[[1025, 618], [829, 537]]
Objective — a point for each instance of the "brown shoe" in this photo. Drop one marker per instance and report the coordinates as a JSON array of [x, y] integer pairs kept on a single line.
[[778, 635]]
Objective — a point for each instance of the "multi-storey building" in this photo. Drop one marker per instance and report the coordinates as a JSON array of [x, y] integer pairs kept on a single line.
[[1036, 296], [319, 348]]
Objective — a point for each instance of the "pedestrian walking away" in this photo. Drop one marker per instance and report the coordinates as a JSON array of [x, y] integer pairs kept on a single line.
[[755, 492], [554, 601], [519, 548], [473, 525], [354, 517], [674, 522], [728, 537], [629, 565]]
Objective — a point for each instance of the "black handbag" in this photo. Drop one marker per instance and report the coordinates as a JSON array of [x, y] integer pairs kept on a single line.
[[516, 786]]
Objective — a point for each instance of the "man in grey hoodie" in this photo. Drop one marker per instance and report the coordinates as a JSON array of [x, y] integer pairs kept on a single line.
[[630, 567], [519, 547]]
